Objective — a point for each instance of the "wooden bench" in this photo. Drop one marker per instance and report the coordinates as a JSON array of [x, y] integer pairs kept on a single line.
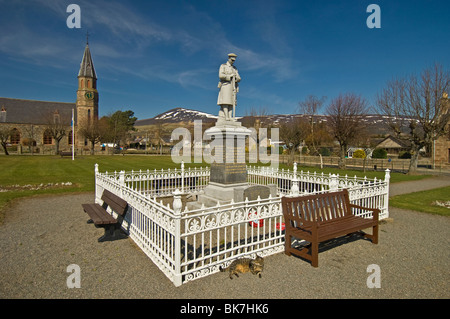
[[320, 217], [101, 218], [65, 153]]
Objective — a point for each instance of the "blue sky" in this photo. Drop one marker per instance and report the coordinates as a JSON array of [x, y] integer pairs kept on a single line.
[[151, 56]]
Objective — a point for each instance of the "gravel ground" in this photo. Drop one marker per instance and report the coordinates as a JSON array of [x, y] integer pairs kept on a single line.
[[42, 236]]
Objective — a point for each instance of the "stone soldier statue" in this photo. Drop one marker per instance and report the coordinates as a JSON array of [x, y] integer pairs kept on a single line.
[[228, 85]]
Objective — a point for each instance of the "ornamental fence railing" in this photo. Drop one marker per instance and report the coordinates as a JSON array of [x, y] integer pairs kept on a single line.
[[187, 244]]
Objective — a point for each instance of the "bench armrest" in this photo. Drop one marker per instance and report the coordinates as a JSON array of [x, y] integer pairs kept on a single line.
[[375, 211]]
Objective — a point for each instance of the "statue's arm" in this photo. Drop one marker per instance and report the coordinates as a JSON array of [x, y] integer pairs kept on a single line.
[[222, 75], [238, 78]]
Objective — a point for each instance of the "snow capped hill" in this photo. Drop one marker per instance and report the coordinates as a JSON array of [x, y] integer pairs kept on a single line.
[[178, 114], [376, 123]]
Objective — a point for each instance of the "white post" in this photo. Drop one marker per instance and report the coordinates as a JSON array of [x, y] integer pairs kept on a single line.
[[182, 176], [294, 186], [97, 190], [177, 205], [121, 182], [122, 178], [387, 178], [334, 183], [73, 137]]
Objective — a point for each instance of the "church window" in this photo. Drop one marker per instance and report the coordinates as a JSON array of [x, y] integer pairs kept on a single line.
[[89, 118], [15, 136], [82, 83], [69, 138], [88, 83], [48, 137]]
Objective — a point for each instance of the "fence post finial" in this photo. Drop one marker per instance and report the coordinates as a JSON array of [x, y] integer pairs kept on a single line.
[[122, 177], [177, 203], [387, 175], [182, 176], [334, 182]]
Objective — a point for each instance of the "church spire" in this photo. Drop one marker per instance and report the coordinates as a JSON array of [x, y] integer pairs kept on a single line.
[[87, 66]]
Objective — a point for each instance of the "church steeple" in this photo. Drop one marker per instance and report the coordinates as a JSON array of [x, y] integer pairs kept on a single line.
[[87, 95], [87, 66]]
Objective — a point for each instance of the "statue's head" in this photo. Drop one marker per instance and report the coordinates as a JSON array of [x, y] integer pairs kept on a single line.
[[232, 57]]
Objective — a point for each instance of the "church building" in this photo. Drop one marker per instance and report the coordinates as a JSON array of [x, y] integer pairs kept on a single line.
[[46, 127]]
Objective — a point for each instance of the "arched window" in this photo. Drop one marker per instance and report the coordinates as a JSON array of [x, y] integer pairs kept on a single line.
[[48, 137], [88, 83], [89, 117], [81, 83], [69, 138], [15, 136]]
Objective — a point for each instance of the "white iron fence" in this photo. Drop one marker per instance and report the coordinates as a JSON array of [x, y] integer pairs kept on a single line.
[[190, 244]]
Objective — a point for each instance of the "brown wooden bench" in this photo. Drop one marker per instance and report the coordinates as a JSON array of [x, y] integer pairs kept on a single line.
[[320, 217], [101, 218], [65, 153]]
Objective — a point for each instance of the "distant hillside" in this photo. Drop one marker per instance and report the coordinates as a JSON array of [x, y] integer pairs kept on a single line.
[[375, 123], [178, 115]]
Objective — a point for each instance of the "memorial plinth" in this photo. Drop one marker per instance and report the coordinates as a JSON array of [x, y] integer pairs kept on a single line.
[[228, 171]]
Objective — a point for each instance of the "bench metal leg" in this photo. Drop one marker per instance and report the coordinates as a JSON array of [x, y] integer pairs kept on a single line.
[[112, 232]]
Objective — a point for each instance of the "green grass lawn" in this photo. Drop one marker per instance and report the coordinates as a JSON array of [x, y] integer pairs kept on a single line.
[[424, 201], [38, 169]]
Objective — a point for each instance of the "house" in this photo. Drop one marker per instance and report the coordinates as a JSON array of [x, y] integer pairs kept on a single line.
[[393, 146]]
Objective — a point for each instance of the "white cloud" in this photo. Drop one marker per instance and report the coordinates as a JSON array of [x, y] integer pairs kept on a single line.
[[128, 39]]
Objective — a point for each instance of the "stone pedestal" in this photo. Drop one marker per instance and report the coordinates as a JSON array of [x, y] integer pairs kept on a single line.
[[228, 172]]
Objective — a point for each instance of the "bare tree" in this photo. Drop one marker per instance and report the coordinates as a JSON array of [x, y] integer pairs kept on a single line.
[[55, 128], [256, 118], [292, 133], [29, 138], [93, 133], [310, 108], [5, 134], [345, 115], [416, 109]]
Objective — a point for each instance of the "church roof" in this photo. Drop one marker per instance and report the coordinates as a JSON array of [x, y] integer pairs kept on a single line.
[[87, 66], [35, 112]]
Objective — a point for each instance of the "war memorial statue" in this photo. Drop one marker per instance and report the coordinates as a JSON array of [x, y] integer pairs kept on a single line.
[[228, 171], [229, 87]]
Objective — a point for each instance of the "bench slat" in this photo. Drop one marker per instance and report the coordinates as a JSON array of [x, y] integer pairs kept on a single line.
[[116, 203], [98, 215]]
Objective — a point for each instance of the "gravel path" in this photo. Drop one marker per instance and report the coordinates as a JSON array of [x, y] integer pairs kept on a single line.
[[42, 236], [416, 186]]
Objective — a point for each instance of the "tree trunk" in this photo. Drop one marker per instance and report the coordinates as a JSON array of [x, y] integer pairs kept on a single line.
[[341, 163], [92, 147], [291, 157], [413, 162], [5, 149], [56, 146]]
